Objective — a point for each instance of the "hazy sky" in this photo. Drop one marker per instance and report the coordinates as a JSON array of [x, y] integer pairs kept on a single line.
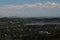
[[30, 8]]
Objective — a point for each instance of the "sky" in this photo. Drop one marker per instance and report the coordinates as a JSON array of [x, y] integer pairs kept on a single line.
[[30, 8]]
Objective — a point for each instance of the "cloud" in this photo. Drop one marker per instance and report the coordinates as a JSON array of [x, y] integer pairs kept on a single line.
[[31, 10]]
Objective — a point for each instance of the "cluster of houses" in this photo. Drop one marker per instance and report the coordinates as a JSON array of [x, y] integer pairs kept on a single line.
[[20, 30]]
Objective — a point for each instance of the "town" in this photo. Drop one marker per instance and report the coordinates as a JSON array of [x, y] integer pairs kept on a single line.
[[29, 28]]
